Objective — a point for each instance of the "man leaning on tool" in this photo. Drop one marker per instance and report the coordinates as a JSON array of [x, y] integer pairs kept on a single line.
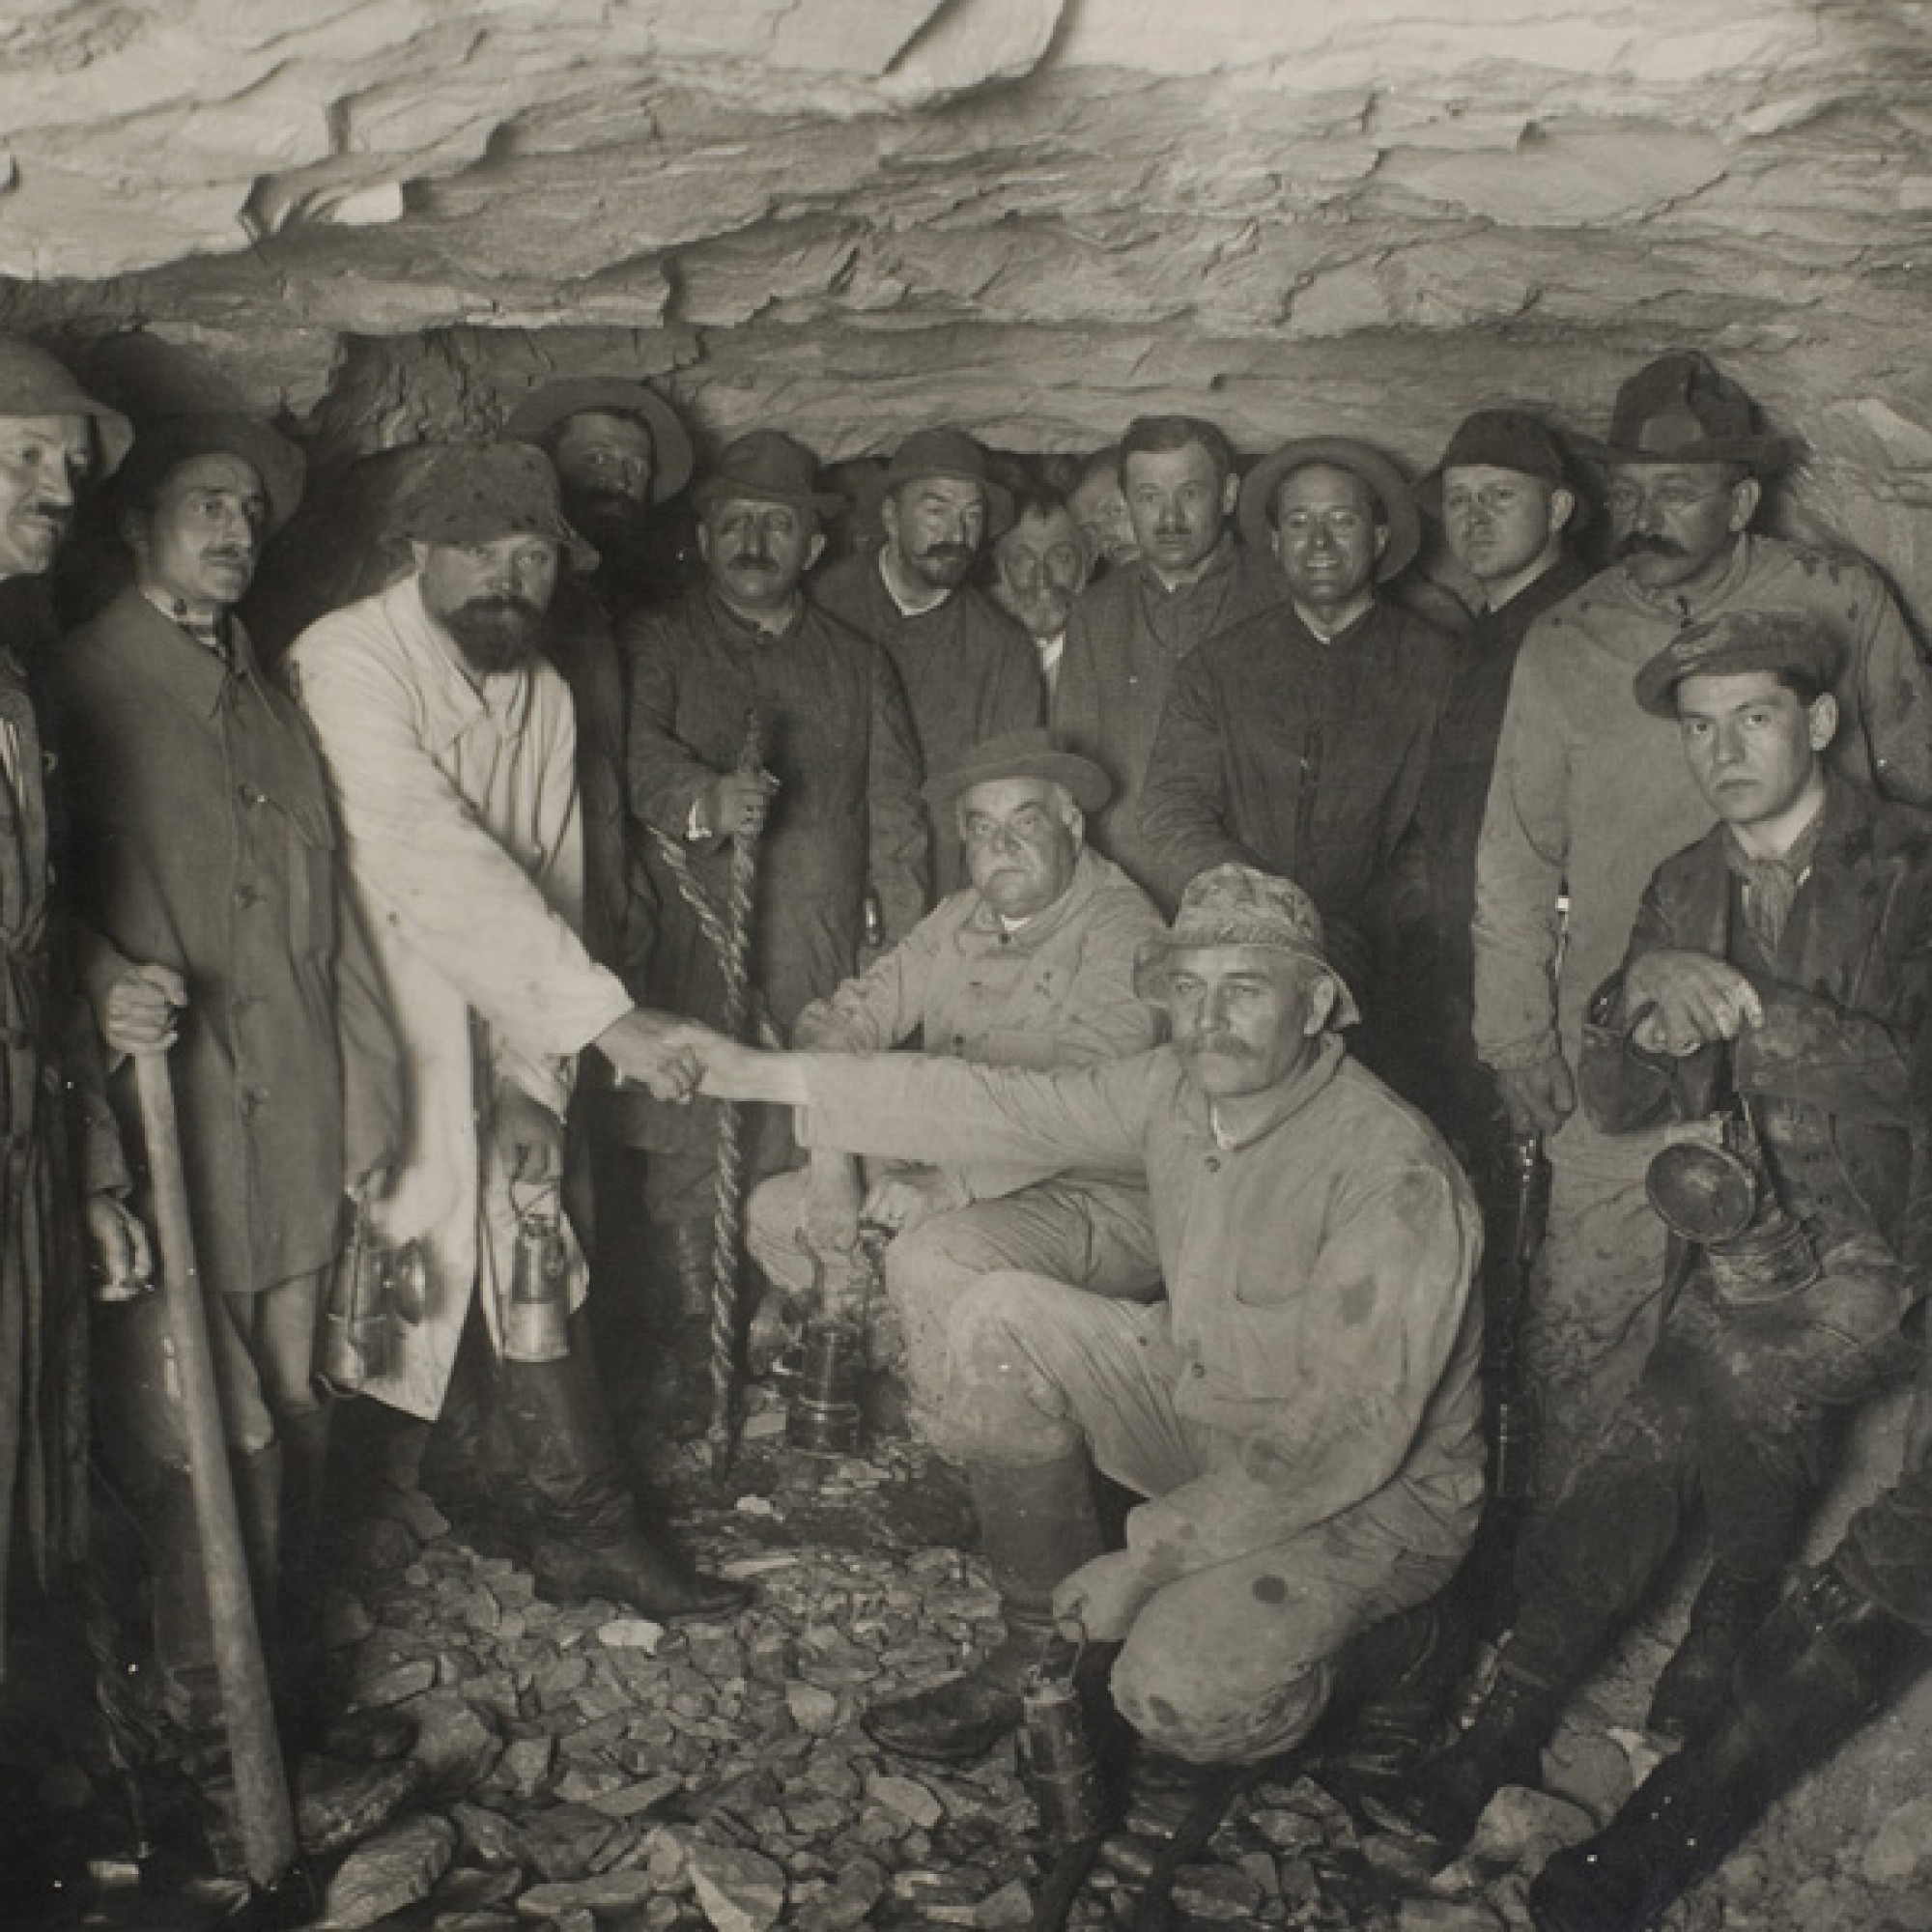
[[448, 742], [1302, 1412]]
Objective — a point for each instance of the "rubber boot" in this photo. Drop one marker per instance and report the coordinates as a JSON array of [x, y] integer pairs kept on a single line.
[[1392, 1688], [1036, 1524], [1503, 1746], [1693, 1687], [589, 1541], [184, 1636], [1825, 1660], [679, 1389]]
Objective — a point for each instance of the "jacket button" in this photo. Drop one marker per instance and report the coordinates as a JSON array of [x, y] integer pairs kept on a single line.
[[1200, 1368], [1213, 1163]]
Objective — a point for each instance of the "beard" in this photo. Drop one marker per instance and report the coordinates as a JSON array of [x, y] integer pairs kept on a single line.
[[942, 565], [610, 518], [497, 634]]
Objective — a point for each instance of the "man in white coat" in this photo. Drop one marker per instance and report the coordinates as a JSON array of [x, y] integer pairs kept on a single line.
[[450, 747]]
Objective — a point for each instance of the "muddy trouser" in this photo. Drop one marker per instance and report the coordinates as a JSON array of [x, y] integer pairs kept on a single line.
[[1093, 1235], [1595, 1306], [1742, 1406], [1236, 1661], [1888, 1547]]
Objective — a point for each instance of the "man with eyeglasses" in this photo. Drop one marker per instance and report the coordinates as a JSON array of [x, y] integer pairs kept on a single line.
[[1590, 794]]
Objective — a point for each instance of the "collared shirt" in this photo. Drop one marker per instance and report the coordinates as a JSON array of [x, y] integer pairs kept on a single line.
[[1318, 1272]]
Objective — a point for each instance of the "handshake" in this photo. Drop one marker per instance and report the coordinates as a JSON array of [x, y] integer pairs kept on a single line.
[[678, 1058]]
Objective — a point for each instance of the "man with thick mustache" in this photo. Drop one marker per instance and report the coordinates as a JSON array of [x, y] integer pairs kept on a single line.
[[1300, 1410], [1040, 567], [969, 671], [1590, 793], [449, 744], [835, 803]]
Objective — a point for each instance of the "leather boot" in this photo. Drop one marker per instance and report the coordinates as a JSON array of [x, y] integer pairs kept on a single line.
[[1503, 1746], [589, 1541], [1392, 1688], [183, 1635], [1693, 1687], [1036, 1524], [679, 1382], [1827, 1661]]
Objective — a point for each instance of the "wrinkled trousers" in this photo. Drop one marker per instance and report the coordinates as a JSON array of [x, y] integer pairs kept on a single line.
[[1742, 1406], [1235, 1660]]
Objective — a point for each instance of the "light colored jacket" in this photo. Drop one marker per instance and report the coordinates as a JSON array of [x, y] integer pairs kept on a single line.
[[461, 829]]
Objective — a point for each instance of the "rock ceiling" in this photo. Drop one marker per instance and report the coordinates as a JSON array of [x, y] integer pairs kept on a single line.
[[1038, 217]]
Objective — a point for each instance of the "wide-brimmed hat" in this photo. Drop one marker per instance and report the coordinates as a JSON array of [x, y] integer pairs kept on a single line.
[[1505, 439], [1028, 754], [166, 443], [475, 492], [951, 452], [542, 409], [32, 384], [1681, 410], [1341, 452], [770, 466], [1241, 905], [1739, 640]]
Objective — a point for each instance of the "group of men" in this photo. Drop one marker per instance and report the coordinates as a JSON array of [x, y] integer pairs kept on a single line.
[[1244, 892]]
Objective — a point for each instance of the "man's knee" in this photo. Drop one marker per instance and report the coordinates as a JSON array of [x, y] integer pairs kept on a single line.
[[1000, 1403]]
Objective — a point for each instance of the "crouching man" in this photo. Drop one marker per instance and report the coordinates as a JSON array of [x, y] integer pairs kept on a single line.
[[1301, 1414], [1776, 980]]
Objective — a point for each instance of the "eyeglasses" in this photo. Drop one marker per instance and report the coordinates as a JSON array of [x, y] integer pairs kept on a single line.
[[1669, 500]]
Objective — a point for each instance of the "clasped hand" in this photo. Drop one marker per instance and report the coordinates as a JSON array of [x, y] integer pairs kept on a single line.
[[1686, 1001]]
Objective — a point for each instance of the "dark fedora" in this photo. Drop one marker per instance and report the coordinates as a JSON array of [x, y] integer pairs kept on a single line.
[[1504, 440], [1681, 410], [1028, 754], [32, 384], [771, 468], [479, 491], [544, 409], [1340, 452], [1739, 640], [951, 452], [164, 444]]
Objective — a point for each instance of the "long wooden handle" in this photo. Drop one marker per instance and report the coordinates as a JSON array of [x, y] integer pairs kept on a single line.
[[270, 1847]]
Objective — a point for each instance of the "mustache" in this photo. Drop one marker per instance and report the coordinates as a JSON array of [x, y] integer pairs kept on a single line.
[[948, 548], [501, 603], [754, 561], [1221, 1044], [1639, 544]]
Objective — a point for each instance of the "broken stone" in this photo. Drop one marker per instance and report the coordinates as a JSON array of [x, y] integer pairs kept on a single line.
[[396, 1685], [1522, 1828], [632, 1800], [911, 1799], [632, 1633], [1218, 1892], [1447, 1915], [813, 1709], [737, 1891], [563, 1841], [612, 1892], [1901, 1849], [389, 1873], [456, 1745], [490, 1836]]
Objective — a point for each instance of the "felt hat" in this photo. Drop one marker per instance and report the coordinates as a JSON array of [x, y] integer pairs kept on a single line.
[[1679, 409], [1027, 753], [951, 452], [32, 384], [475, 492], [1240, 905], [543, 409], [771, 468], [1341, 452], [1739, 640], [164, 442], [1504, 440]]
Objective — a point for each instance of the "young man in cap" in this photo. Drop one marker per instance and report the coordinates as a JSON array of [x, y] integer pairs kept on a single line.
[[834, 801], [1590, 793], [219, 931], [1300, 1409], [1778, 981], [1031, 964], [969, 671], [54, 438], [1040, 565], [1298, 741], [1189, 582], [449, 745]]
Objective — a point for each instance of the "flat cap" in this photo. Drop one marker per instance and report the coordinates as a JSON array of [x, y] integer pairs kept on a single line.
[[477, 492], [1339, 452], [951, 452], [1739, 640], [1240, 905], [544, 409], [32, 384], [1027, 753], [771, 468], [1502, 439]]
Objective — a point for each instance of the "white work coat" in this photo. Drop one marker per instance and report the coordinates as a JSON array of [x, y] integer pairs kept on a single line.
[[464, 839]]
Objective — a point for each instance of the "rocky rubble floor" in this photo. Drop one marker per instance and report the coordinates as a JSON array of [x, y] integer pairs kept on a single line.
[[592, 1771]]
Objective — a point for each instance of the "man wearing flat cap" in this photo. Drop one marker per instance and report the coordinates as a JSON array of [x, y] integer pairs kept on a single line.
[[1777, 994], [1298, 741], [54, 438], [1031, 964], [969, 671], [1188, 581], [222, 931], [1591, 792], [1301, 1411], [832, 799], [449, 745]]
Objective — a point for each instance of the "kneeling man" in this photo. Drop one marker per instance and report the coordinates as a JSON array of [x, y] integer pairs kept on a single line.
[[1302, 1413]]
